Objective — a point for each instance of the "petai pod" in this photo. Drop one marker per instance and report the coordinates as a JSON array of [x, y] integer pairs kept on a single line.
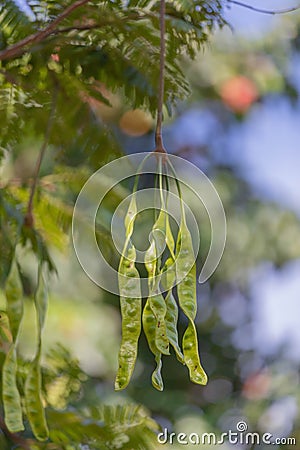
[[155, 308], [131, 304], [171, 319], [191, 355], [5, 339], [171, 325], [159, 308], [5, 334], [155, 250], [155, 299], [149, 326], [186, 290], [33, 384], [10, 393]]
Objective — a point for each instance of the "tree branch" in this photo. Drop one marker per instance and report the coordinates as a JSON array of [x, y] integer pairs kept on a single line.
[[20, 47], [264, 11]]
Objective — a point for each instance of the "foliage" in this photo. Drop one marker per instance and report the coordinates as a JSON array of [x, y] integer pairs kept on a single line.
[[111, 44], [72, 69], [58, 61]]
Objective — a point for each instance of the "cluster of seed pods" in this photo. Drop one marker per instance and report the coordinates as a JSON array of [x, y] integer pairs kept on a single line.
[[159, 316]]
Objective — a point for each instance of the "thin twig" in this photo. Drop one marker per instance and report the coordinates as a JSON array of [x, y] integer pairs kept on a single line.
[[264, 11], [28, 220], [20, 47], [158, 131]]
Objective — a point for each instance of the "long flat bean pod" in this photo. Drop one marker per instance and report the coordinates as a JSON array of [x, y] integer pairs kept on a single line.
[[158, 306], [14, 299], [171, 325], [186, 289], [155, 309], [156, 300], [33, 384], [5, 340], [130, 303], [154, 251], [131, 311], [191, 355], [5, 333], [171, 318], [10, 393], [186, 272], [149, 326]]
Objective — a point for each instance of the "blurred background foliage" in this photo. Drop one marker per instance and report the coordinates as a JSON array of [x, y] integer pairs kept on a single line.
[[103, 81]]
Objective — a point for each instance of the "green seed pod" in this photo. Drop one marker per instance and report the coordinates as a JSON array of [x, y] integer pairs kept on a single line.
[[149, 326], [186, 289], [130, 303], [5, 333], [10, 393], [171, 318], [14, 299], [131, 311], [33, 399], [158, 306], [171, 325], [33, 384], [191, 355]]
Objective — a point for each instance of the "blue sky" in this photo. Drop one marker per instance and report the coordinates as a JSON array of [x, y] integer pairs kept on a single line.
[[251, 24], [265, 150]]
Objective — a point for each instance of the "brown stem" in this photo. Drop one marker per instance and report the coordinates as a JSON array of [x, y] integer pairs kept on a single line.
[[20, 47], [159, 146], [264, 11], [14, 437], [28, 220]]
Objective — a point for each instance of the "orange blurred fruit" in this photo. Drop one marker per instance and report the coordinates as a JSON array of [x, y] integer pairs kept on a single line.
[[239, 93], [135, 122], [257, 386]]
